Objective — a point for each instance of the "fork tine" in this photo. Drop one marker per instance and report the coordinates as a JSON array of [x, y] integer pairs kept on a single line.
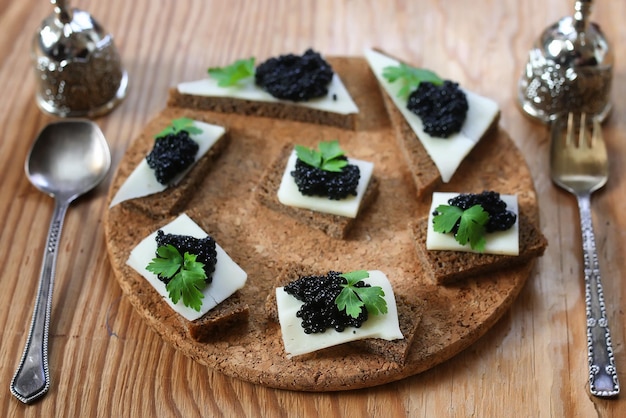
[[596, 136], [582, 132], [569, 132]]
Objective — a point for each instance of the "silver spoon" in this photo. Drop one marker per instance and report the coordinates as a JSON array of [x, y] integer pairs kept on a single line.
[[68, 159]]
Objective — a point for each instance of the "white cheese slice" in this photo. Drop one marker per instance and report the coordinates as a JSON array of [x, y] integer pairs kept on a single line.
[[228, 277], [142, 181], [297, 342], [500, 242], [446, 153], [288, 193], [338, 100]]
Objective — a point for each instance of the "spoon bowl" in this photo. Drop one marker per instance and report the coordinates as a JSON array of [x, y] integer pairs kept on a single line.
[[68, 159]]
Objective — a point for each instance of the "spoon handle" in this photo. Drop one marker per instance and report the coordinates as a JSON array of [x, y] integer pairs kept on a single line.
[[32, 377]]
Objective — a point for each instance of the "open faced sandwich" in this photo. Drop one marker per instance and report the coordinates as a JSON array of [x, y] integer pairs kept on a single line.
[[194, 275], [297, 87], [321, 310], [181, 156], [467, 234], [436, 122], [320, 187]]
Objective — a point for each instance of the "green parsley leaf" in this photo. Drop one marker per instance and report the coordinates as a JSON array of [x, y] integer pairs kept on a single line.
[[232, 74], [410, 78], [447, 218], [471, 224], [309, 156], [352, 298], [180, 124], [187, 276], [328, 156], [167, 263]]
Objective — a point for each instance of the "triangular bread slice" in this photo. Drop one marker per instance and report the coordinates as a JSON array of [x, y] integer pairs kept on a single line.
[[337, 108], [431, 161]]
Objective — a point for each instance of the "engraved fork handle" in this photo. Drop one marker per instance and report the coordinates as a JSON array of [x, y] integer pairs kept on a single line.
[[602, 371]]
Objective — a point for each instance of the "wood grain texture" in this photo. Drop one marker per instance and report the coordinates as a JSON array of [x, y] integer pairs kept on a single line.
[[106, 362]]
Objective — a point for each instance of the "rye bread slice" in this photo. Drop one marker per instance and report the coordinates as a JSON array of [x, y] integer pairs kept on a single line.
[[409, 316], [333, 225], [448, 267], [275, 110], [230, 314], [284, 110], [423, 170], [174, 199]]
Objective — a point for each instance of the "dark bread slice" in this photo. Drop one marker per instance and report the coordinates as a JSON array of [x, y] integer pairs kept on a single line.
[[423, 170], [174, 199], [333, 225], [448, 267], [409, 316], [275, 110], [221, 318], [285, 110]]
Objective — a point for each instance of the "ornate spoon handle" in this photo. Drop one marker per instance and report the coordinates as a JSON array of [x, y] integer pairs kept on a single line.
[[602, 371], [32, 378]]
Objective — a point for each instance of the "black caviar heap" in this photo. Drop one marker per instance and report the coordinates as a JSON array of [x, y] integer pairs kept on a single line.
[[442, 109], [171, 155], [335, 185], [203, 248], [500, 219], [293, 77], [319, 311]]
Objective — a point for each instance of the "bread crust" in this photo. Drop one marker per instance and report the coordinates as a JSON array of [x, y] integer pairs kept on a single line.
[[274, 110]]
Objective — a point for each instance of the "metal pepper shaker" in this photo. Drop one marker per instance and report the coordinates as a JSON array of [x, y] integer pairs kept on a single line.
[[78, 69], [569, 69]]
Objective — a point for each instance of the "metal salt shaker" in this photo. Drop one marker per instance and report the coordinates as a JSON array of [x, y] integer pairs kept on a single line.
[[78, 69], [570, 68]]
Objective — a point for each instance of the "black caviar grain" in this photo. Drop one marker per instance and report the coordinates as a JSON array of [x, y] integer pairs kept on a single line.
[[293, 77], [442, 109], [171, 155], [203, 248], [500, 219], [335, 185], [319, 311]]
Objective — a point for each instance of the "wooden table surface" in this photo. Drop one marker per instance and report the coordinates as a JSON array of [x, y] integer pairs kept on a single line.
[[105, 361]]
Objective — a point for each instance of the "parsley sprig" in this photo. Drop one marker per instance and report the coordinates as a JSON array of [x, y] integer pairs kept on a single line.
[[328, 156], [352, 298], [471, 222], [410, 78], [180, 124], [187, 276], [232, 74]]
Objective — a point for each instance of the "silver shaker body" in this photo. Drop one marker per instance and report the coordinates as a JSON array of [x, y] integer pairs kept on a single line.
[[78, 68], [570, 68]]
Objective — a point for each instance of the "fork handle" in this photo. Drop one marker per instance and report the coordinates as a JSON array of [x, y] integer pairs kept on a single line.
[[602, 371]]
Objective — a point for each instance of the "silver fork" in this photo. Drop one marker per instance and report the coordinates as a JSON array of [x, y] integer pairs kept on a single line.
[[579, 164]]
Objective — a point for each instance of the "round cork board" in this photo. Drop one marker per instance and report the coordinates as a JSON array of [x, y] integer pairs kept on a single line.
[[262, 241]]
